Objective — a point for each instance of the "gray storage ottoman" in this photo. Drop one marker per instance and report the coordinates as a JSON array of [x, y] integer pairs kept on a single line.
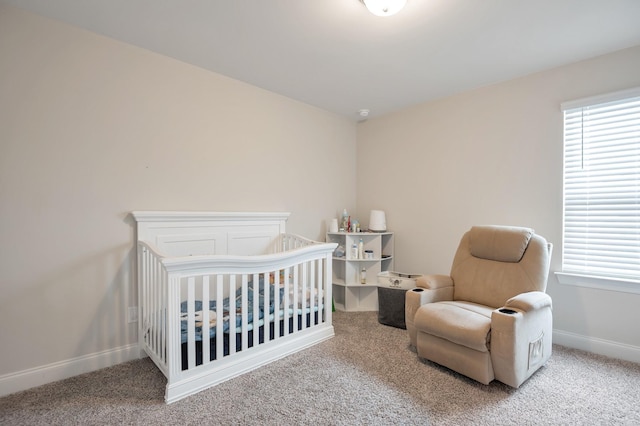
[[392, 287]]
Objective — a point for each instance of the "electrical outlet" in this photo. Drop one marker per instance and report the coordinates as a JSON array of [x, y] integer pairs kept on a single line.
[[132, 314]]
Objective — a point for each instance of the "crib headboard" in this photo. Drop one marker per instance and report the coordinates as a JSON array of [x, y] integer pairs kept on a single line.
[[176, 233]]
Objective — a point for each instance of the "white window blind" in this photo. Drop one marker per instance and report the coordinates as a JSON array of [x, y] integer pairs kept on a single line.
[[602, 186]]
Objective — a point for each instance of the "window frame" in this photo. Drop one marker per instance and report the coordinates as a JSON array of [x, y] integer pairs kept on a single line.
[[585, 279]]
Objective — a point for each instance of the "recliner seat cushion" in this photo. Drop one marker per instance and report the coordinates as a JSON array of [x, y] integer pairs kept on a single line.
[[464, 323]]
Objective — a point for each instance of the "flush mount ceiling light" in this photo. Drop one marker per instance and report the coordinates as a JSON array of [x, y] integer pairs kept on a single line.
[[384, 7]]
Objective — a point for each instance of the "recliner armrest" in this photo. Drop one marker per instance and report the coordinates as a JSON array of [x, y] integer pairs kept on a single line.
[[521, 337], [430, 288], [530, 301], [434, 281]]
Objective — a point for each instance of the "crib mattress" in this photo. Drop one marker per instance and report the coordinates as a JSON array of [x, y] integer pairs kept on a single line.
[[251, 336]]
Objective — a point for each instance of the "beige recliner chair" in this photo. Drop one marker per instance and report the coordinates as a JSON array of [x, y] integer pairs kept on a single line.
[[490, 318]]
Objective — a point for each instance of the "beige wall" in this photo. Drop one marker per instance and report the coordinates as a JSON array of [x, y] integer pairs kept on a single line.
[[91, 129], [494, 156]]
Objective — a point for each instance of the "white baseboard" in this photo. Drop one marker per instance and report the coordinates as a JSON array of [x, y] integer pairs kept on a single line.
[[597, 346], [26, 379]]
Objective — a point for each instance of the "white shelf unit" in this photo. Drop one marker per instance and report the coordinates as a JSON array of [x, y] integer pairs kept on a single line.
[[349, 294]]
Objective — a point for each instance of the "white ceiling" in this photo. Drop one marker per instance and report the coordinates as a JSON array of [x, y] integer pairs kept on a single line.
[[337, 56]]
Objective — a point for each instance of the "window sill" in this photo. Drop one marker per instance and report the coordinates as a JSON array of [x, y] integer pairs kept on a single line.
[[612, 284]]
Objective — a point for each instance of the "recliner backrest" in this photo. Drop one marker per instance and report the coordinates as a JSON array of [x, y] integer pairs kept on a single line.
[[494, 263]]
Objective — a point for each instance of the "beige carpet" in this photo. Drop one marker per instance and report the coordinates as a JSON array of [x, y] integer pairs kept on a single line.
[[366, 375]]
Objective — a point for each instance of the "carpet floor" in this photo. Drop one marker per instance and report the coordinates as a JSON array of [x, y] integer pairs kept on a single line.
[[365, 375]]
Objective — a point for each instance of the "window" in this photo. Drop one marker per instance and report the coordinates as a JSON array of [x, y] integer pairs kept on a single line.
[[601, 236]]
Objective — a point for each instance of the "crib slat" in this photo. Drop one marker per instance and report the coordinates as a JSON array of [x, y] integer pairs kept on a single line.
[[319, 299], [191, 326], [256, 309], [232, 314], [151, 339], [303, 299], [150, 271], [296, 295], [315, 304], [173, 325], [328, 289], [162, 312], [286, 314], [157, 307], [244, 313], [276, 304], [265, 306], [144, 291], [312, 292], [219, 317], [206, 320], [155, 274]]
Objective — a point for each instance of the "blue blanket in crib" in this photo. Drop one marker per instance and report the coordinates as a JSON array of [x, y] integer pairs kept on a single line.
[[226, 309]]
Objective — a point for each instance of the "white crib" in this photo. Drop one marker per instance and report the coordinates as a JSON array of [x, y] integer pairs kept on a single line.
[[220, 294]]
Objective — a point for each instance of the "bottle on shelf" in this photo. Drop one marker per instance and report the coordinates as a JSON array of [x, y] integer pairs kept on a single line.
[[363, 275], [361, 249], [354, 251], [345, 221]]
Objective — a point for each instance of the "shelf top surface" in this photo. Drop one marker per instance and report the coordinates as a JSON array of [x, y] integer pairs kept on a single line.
[[360, 233]]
